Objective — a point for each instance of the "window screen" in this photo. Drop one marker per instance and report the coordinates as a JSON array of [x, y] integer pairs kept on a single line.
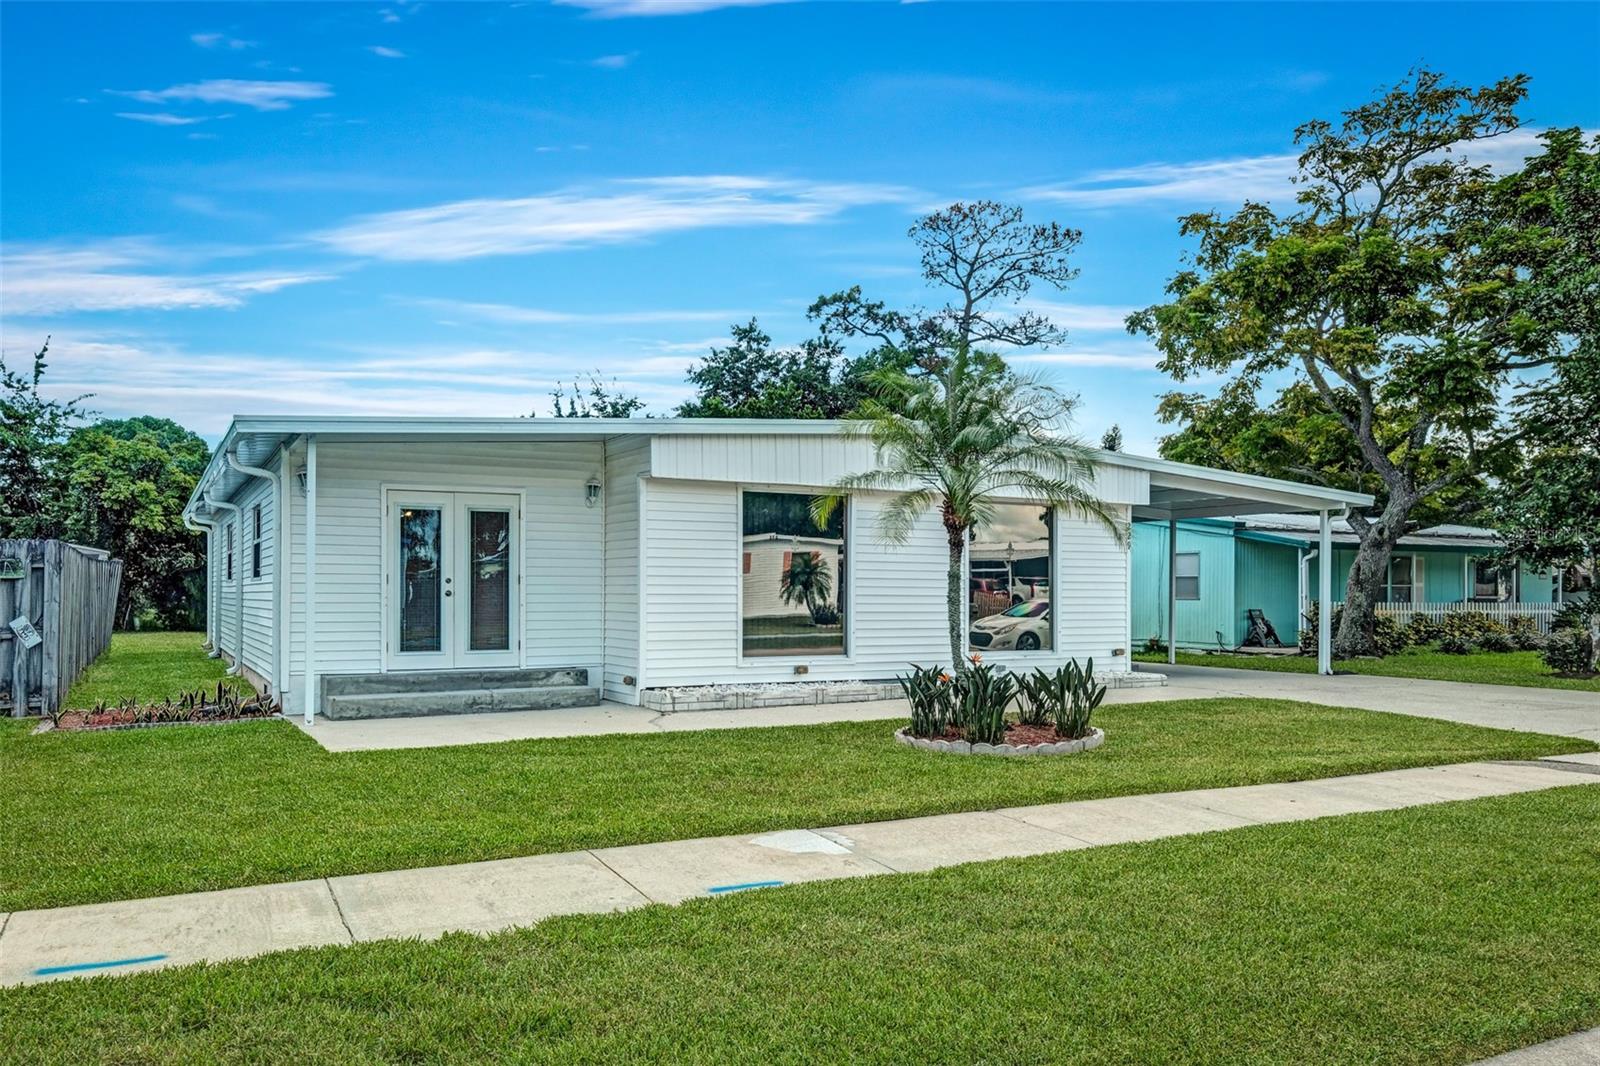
[[1187, 573]]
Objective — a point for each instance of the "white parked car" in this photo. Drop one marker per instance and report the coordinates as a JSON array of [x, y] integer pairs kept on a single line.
[[1024, 627]]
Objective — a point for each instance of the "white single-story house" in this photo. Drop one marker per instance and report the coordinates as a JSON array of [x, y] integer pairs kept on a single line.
[[396, 558]]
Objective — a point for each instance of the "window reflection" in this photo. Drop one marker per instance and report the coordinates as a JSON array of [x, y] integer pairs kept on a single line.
[[1010, 561], [793, 576]]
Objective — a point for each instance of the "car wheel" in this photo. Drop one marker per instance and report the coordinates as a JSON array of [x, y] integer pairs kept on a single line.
[[1028, 642]]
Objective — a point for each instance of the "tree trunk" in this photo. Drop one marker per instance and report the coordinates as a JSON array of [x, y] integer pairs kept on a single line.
[[955, 585], [1368, 575]]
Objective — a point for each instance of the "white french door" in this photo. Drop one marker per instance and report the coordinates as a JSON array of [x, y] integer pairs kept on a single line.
[[452, 580]]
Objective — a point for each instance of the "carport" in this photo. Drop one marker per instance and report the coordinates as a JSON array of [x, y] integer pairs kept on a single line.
[[1179, 491]]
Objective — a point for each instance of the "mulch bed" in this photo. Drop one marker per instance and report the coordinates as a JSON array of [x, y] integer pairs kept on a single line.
[[1017, 734], [122, 718]]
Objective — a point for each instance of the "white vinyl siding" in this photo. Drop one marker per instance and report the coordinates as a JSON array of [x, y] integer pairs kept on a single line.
[[562, 543], [624, 464], [897, 595], [259, 608]]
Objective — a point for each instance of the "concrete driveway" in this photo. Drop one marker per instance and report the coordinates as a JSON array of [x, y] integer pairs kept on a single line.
[[1562, 712]]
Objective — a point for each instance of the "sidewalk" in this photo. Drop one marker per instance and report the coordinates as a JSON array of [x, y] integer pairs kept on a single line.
[[135, 935]]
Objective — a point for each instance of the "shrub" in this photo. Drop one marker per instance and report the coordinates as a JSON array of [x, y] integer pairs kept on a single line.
[[1524, 632], [1455, 644], [1567, 651], [1037, 698], [824, 615], [1469, 626], [1083, 695], [1492, 641], [1422, 629], [1389, 635], [982, 696], [931, 694]]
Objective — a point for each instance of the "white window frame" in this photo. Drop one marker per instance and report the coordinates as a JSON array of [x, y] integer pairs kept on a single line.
[[254, 572], [1195, 577], [852, 564], [1470, 582], [228, 550], [1055, 585]]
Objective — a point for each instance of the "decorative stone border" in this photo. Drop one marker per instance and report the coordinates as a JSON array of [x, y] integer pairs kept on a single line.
[[741, 697], [1095, 738]]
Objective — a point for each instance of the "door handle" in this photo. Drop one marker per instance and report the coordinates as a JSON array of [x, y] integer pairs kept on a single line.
[[447, 592]]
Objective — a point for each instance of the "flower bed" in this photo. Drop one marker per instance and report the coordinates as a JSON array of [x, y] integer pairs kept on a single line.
[[199, 707], [1019, 740]]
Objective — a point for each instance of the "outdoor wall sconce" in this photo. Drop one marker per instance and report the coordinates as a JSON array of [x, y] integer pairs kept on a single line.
[[300, 479], [591, 492]]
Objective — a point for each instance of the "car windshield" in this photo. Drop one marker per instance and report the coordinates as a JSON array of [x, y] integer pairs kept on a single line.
[[1029, 610]]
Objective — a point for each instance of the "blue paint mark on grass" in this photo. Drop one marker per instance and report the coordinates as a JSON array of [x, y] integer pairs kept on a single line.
[[720, 889], [46, 971]]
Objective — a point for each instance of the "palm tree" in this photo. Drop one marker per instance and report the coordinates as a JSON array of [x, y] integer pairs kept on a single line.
[[806, 579], [960, 440]]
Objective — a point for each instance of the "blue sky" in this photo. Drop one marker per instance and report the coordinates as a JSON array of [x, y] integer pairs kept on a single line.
[[442, 208]]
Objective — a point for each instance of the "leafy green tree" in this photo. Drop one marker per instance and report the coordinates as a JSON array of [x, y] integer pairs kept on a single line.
[[807, 579], [599, 400], [1548, 511], [1378, 319], [752, 379], [126, 483], [33, 433], [1112, 441], [986, 259]]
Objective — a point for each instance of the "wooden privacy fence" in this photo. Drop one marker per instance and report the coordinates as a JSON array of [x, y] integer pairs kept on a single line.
[[58, 602]]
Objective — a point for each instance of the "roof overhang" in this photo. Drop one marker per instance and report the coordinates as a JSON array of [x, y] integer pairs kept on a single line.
[[1177, 490]]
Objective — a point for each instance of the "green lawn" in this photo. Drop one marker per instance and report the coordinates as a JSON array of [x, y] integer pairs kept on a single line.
[[1432, 935], [148, 667], [154, 811], [1483, 667]]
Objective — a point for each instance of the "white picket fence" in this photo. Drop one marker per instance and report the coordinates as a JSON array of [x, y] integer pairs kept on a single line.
[[1541, 613]]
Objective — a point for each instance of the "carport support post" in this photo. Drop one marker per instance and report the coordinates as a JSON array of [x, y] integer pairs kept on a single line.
[[311, 578], [1324, 595], [1172, 591]]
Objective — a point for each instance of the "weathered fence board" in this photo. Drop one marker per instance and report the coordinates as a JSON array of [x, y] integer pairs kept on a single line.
[[69, 594]]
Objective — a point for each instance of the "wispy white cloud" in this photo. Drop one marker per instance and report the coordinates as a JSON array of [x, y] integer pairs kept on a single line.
[[513, 315], [261, 95], [647, 8], [622, 211], [1260, 177], [135, 373], [613, 62], [220, 41], [161, 118], [1125, 360], [1087, 317], [123, 276], [385, 51]]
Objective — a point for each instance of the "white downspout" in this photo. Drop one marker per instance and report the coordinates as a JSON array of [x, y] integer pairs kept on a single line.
[[1304, 599], [271, 476], [238, 575], [311, 579], [208, 527]]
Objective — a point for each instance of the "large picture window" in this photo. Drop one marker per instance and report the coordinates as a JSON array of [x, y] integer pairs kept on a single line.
[[1490, 582], [793, 574], [1009, 564]]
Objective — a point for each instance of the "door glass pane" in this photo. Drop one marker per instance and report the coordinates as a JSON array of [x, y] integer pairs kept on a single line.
[[421, 551], [490, 628]]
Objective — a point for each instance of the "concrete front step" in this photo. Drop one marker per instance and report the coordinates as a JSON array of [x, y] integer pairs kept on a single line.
[[457, 701], [449, 680]]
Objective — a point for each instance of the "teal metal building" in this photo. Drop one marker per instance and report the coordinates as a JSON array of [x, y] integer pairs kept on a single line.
[[1226, 567]]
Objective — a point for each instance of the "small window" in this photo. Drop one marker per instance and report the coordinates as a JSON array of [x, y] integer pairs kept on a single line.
[[1186, 575], [1402, 579], [230, 551], [255, 543], [1490, 582]]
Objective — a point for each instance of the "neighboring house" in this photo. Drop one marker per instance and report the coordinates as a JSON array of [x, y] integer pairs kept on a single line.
[[432, 559], [1226, 567]]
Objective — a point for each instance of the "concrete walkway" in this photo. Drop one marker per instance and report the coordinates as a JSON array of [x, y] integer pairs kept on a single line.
[[1559, 711], [136, 935], [1579, 1049]]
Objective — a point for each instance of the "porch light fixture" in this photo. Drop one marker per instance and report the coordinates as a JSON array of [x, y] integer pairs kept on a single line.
[[591, 492], [300, 479]]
